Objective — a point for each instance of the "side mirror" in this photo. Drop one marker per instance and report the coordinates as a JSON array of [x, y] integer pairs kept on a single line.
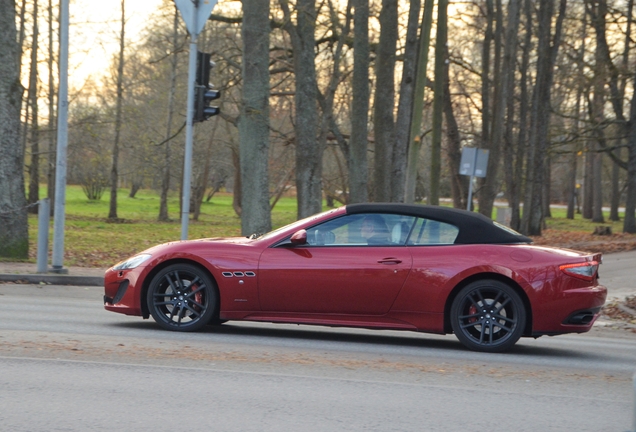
[[299, 238]]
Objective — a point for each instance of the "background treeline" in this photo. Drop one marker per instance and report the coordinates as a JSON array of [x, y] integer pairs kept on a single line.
[[359, 101]]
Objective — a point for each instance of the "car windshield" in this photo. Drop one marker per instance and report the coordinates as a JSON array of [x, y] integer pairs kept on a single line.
[[292, 225]]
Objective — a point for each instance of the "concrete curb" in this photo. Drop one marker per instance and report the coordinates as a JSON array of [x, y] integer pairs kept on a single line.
[[53, 279]]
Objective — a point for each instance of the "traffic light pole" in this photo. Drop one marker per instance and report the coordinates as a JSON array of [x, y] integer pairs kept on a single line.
[[195, 14], [187, 163], [62, 142]]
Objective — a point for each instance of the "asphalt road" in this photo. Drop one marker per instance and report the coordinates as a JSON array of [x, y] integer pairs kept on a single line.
[[68, 365]]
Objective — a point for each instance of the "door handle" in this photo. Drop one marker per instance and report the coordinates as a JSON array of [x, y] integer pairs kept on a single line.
[[390, 261]]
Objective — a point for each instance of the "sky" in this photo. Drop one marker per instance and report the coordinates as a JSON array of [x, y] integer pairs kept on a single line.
[[94, 33]]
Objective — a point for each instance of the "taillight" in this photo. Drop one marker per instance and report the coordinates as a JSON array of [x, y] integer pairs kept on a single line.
[[586, 271]]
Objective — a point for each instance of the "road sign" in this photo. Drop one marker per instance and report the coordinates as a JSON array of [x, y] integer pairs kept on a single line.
[[474, 162], [202, 9]]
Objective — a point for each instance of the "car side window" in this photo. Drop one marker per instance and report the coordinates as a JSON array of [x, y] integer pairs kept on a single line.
[[367, 229], [432, 232]]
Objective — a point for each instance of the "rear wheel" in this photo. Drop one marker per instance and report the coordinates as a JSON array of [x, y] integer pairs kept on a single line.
[[488, 316], [182, 297]]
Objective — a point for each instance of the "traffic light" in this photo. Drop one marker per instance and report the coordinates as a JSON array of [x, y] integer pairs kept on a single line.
[[203, 92]]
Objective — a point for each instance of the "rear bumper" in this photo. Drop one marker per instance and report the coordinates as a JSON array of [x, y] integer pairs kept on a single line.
[[575, 311]]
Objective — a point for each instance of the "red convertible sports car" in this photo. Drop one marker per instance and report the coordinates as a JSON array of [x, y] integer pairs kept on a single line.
[[377, 266]]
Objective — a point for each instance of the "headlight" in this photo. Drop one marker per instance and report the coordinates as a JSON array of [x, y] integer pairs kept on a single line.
[[133, 262]]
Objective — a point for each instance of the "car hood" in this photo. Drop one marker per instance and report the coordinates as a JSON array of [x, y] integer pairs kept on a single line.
[[193, 245]]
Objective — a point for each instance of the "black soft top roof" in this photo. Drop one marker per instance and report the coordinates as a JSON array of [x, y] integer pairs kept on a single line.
[[474, 228]]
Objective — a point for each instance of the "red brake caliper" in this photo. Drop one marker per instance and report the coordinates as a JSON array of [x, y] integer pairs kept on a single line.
[[472, 310]]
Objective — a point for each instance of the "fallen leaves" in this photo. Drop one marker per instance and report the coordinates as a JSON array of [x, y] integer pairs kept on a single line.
[[586, 241]]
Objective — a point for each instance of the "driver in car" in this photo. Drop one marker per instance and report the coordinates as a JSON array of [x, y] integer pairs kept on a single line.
[[375, 230]]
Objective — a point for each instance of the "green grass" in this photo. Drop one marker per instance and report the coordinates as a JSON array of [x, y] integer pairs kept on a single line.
[[91, 240], [560, 222]]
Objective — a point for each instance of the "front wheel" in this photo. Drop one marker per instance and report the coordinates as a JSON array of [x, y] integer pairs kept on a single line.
[[182, 297], [488, 316]]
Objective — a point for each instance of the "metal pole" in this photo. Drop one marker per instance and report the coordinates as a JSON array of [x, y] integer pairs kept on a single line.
[[187, 163], [43, 236], [470, 185], [470, 192], [62, 141], [634, 402]]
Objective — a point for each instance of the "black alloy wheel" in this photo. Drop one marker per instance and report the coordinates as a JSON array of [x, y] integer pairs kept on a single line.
[[488, 316], [182, 297]]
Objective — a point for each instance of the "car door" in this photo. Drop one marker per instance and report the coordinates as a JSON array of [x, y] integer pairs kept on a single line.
[[336, 272]]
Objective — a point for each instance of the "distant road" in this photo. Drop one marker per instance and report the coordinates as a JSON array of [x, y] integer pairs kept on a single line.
[[618, 274], [69, 365]]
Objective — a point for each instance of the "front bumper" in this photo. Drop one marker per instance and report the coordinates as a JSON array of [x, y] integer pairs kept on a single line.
[[122, 291]]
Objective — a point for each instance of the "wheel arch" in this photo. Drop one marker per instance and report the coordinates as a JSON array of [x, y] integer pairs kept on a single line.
[[527, 331], [145, 311]]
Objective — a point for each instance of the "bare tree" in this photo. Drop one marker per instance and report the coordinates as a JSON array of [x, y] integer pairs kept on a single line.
[[384, 100], [548, 45], [438, 100], [308, 151], [32, 103], [14, 236], [415, 132], [174, 57], [52, 148], [629, 225], [114, 176], [405, 105], [358, 165], [504, 96]]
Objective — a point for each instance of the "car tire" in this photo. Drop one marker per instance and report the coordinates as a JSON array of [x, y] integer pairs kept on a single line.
[[217, 321], [182, 297], [488, 316]]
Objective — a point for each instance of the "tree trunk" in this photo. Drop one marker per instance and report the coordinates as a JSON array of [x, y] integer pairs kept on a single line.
[[384, 101], [516, 176], [486, 142], [504, 94], [485, 75], [405, 105], [418, 103], [597, 112], [34, 167], [52, 152], [438, 86], [14, 235], [358, 164], [629, 224], [572, 191], [547, 182], [254, 120], [574, 196], [616, 191], [326, 100], [588, 187], [114, 176], [165, 178]]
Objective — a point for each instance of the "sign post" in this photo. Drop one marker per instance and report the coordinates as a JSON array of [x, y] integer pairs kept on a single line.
[[474, 163], [195, 14]]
